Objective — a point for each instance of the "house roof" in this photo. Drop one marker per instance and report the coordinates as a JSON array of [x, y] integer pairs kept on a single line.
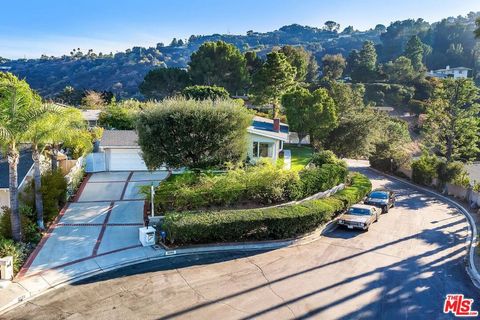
[[119, 138], [24, 165], [261, 123], [91, 115], [269, 134], [450, 69]]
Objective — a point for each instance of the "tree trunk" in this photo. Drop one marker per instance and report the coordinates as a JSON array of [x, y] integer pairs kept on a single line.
[[54, 155], [38, 184], [13, 158], [301, 136]]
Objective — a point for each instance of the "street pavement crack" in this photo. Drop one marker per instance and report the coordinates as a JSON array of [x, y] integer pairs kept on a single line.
[[205, 298], [270, 287]]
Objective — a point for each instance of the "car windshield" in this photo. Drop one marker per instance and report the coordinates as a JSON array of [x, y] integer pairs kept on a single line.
[[359, 211], [379, 195]]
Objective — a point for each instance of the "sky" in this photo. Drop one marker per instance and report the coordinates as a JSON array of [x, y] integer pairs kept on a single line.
[[30, 28]]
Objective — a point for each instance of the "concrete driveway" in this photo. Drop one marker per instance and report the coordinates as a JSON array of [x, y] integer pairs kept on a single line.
[[104, 219], [401, 269]]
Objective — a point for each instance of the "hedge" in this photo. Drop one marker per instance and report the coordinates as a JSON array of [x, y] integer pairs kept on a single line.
[[262, 224]]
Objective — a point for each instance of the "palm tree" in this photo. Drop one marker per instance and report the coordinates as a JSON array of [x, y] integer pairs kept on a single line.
[[53, 129], [20, 106]]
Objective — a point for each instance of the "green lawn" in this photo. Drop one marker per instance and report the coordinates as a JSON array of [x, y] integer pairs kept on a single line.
[[300, 156]]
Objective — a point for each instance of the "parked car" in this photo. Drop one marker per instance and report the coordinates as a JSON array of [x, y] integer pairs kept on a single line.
[[382, 198], [359, 216]]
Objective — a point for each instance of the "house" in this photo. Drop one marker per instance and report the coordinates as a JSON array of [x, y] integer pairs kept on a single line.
[[24, 169], [455, 73], [266, 138], [91, 117], [119, 149]]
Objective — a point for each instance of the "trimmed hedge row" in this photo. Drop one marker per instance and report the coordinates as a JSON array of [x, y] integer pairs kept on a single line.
[[262, 224]]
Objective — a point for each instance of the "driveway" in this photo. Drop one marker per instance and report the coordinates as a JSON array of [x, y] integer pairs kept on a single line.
[[103, 219], [401, 269]]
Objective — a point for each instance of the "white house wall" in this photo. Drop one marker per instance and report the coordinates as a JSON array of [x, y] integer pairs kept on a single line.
[[256, 138], [4, 198]]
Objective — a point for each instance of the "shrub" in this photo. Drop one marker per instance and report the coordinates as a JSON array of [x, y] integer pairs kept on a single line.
[[193, 134], [18, 251], [54, 193], [453, 172], [263, 183], [326, 157], [30, 232], [424, 169], [322, 178], [261, 224]]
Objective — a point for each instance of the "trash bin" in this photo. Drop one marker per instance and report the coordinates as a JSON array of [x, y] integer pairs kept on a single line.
[[147, 236], [6, 268]]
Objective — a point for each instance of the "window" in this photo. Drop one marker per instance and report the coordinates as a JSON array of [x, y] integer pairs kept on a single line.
[[263, 149], [260, 149]]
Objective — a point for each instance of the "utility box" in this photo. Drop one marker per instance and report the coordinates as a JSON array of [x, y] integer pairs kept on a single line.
[[6, 268], [147, 236]]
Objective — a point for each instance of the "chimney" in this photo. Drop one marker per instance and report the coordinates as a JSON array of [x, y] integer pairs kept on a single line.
[[276, 125]]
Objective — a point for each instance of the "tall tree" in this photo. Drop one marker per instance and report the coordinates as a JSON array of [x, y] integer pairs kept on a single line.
[[333, 66], [366, 63], [332, 26], [273, 80], [310, 113], [298, 58], [254, 62], [414, 51], [451, 125], [221, 64], [400, 71], [59, 123], [477, 31], [19, 108], [160, 83], [312, 70]]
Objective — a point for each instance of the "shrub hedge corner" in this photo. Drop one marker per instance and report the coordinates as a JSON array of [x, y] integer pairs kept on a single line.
[[264, 223]]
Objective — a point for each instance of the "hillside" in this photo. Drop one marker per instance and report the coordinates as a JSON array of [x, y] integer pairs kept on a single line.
[[451, 41]]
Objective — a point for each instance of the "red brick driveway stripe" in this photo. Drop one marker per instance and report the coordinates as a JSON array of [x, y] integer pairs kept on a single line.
[[126, 185], [104, 226]]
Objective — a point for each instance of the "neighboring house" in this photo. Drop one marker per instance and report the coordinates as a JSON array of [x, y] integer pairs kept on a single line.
[[266, 138], [91, 117], [455, 73], [25, 171]]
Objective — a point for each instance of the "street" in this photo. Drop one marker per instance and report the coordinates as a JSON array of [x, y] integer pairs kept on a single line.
[[401, 269]]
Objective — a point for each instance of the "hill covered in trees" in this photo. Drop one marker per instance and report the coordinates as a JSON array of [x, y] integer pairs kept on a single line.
[[448, 42]]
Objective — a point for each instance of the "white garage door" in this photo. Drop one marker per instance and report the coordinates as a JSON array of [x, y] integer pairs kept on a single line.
[[126, 160]]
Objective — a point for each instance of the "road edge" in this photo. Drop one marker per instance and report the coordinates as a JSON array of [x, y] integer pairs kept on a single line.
[[471, 268]]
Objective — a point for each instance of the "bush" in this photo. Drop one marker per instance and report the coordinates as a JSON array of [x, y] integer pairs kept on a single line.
[[326, 157], [18, 251], [322, 178], [424, 169], [30, 232], [453, 172], [261, 224], [260, 184], [54, 193]]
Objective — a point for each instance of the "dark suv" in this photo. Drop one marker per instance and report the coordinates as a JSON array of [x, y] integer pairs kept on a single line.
[[382, 198]]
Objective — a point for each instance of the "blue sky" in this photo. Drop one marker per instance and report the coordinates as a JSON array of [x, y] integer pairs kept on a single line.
[[54, 27]]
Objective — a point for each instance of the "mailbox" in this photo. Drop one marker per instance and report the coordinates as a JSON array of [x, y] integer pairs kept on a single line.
[[147, 236], [6, 268]]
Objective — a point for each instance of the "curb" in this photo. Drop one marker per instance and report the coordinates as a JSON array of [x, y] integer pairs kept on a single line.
[[471, 268], [169, 254]]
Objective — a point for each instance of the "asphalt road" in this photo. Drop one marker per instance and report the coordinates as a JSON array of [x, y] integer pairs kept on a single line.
[[401, 269]]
